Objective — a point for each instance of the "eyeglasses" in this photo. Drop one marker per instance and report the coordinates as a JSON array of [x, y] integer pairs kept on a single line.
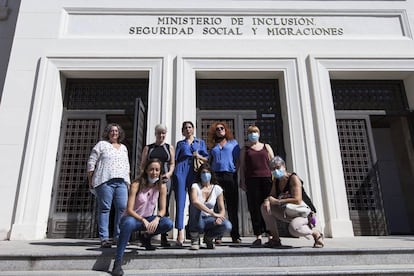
[[219, 128]]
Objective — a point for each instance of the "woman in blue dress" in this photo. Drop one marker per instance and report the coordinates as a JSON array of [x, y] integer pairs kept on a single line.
[[187, 149]]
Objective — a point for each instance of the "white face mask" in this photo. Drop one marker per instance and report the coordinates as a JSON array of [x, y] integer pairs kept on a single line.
[[152, 180], [253, 137], [278, 173]]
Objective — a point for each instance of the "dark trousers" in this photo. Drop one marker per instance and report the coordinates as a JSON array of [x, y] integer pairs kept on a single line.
[[258, 188], [228, 181]]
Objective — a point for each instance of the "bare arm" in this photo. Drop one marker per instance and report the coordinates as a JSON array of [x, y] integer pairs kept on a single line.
[[197, 203], [133, 190], [295, 191], [172, 162], [242, 169], [144, 157], [269, 151]]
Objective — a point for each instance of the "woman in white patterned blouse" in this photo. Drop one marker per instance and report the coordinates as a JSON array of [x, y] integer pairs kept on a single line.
[[109, 174]]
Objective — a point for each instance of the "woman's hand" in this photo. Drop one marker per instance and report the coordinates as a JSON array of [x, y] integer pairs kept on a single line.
[[165, 177], [266, 204], [152, 226], [219, 220], [243, 185]]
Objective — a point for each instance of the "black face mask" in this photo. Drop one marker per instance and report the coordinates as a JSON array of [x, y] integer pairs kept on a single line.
[[219, 139]]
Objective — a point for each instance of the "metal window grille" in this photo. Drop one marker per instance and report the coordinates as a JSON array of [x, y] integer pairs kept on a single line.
[[361, 179], [73, 192], [246, 94], [369, 95]]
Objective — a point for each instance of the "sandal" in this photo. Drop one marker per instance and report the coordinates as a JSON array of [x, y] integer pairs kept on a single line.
[[319, 242]]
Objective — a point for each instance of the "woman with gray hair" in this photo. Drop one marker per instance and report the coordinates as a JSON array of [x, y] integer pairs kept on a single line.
[[287, 191], [165, 153]]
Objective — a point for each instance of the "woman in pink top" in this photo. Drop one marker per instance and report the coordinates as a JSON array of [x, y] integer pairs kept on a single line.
[[144, 194]]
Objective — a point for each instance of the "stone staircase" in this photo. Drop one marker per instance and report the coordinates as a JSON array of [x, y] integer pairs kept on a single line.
[[352, 256]]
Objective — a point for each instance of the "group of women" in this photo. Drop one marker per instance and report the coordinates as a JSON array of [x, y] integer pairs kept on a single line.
[[211, 187]]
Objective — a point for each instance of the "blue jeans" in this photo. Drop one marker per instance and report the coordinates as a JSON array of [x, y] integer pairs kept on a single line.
[[130, 224], [206, 224], [116, 191]]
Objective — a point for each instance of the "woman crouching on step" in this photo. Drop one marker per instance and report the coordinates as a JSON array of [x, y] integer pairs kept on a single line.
[[204, 195], [144, 194]]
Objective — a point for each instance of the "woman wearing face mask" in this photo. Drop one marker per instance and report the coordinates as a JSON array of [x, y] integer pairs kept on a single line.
[[144, 194], [287, 188], [256, 178], [224, 160], [204, 195]]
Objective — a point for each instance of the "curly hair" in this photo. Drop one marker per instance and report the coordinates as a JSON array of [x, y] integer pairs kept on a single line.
[[211, 135], [107, 130], [205, 166]]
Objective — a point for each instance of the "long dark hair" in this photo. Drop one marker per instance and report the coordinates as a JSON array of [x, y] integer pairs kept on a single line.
[[142, 179], [205, 166]]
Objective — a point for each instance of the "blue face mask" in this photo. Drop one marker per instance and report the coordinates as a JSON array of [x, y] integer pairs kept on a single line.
[[253, 137], [205, 177], [152, 180], [278, 173]]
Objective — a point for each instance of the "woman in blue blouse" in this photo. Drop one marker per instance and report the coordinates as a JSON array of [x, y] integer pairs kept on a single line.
[[224, 157], [186, 149]]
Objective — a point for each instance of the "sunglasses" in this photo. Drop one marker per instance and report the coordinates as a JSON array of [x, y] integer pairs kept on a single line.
[[219, 128]]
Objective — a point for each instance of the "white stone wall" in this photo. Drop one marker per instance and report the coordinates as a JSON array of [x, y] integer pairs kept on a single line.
[[93, 38], [8, 17]]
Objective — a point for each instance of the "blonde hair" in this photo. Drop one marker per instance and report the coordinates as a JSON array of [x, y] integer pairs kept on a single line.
[[251, 129]]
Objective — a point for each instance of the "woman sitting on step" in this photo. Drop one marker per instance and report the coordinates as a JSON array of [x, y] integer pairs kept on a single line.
[[287, 191], [144, 194], [204, 195]]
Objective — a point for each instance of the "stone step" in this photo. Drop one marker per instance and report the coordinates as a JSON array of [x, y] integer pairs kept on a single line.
[[370, 270], [339, 257]]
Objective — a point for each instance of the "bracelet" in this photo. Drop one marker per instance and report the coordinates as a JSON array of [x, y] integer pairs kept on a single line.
[[158, 216]]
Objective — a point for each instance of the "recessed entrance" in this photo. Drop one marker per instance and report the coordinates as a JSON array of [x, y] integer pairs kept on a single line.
[[89, 105], [376, 147], [241, 103]]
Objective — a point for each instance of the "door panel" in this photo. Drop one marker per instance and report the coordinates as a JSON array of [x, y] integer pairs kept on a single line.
[[361, 176], [238, 122], [73, 206]]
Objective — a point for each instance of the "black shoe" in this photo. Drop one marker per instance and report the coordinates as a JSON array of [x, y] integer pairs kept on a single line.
[[117, 270], [164, 241], [273, 243], [257, 243], [146, 242], [236, 240], [209, 242], [106, 244]]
